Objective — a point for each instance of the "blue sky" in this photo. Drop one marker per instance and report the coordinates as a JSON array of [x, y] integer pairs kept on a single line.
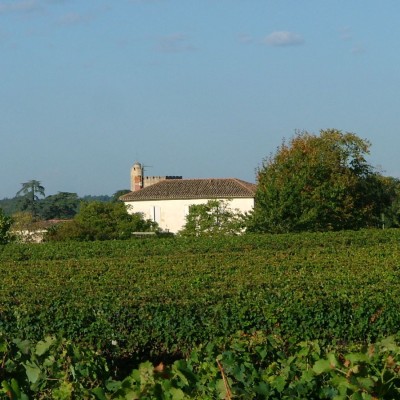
[[199, 88]]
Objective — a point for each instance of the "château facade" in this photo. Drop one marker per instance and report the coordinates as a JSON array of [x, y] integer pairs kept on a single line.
[[167, 199]]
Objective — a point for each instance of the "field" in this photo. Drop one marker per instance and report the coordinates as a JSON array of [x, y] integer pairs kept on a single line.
[[161, 299]]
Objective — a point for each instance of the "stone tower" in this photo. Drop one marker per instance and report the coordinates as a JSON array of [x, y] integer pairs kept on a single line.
[[139, 181], [136, 177]]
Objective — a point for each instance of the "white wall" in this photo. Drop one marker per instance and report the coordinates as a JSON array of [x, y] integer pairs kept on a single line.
[[170, 214]]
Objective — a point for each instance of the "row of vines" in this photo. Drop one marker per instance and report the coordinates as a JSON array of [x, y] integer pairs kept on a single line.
[[161, 299]]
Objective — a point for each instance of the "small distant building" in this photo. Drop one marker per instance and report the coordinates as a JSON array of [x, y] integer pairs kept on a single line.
[[166, 199], [34, 232]]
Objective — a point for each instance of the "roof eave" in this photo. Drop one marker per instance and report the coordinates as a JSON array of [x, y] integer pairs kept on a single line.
[[188, 198]]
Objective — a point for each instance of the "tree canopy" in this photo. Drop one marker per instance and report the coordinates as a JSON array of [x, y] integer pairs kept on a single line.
[[63, 205], [213, 218], [115, 197], [390, 217], [30, 193], [318, 183]]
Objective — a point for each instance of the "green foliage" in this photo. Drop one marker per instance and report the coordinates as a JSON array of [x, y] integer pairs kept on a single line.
[[59, 206], [162, 297], [229, 317], [390, 216], [255, 366], [5, 225], [115, 197], [51, 368], [304, 329], [318, 183], [62, 205], [102, 198], [101, 221], [10, 206], [29, 196], [213, 218], [23, 226]]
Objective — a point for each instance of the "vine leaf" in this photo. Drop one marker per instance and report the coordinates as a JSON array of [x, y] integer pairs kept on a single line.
[[44, 345], [32, 371]]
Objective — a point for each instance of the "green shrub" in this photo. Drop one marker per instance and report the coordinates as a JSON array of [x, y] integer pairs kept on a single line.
[[5, 225], [101, 221]]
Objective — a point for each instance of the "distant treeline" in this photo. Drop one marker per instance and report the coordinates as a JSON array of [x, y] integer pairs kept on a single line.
[[62, 205]]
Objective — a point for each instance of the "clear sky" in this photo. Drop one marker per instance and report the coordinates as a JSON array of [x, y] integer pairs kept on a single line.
[[199, 88]]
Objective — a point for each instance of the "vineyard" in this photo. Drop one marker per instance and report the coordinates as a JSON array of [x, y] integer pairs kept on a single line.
[[164, 299]]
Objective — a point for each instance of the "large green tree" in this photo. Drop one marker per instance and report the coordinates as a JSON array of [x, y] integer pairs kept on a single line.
[[318, 183], [63, 205], [29, 194]]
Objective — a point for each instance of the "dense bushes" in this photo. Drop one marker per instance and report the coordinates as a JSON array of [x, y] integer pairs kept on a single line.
[[5, 225], [101, 221]]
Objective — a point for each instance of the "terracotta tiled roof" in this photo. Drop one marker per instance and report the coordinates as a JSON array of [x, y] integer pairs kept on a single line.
[[173, 189]]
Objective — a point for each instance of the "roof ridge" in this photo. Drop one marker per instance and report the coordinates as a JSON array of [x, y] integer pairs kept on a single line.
[[194, 188], [243, 183], [201, 179]]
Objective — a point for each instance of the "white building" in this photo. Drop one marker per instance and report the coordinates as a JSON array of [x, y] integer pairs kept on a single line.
[[167, 201]]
